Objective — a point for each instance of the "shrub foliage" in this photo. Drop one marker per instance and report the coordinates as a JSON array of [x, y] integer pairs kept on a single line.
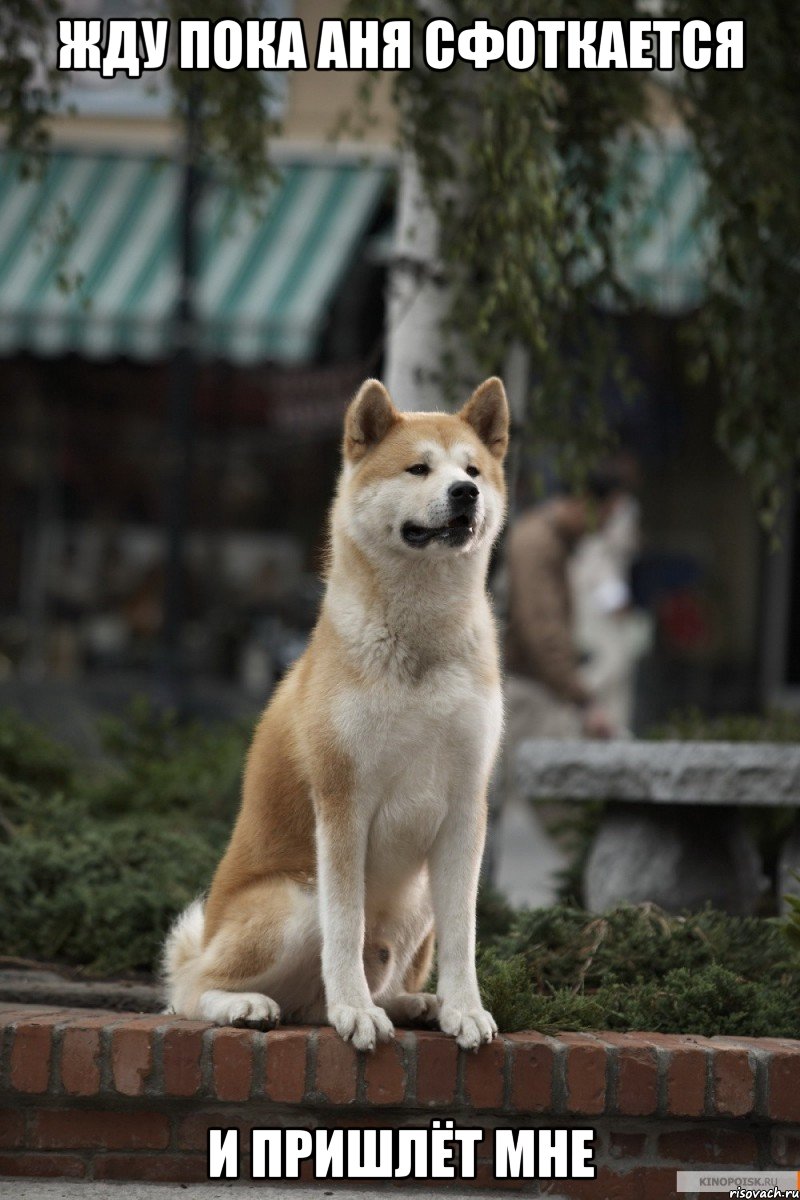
[[637, 968], [96, 860]]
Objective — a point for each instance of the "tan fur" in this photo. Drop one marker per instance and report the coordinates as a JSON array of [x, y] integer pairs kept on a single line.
[[417, 974], [301, 783]]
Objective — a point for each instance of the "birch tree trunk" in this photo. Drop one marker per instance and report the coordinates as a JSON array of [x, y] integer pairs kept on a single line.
[[417, 301]]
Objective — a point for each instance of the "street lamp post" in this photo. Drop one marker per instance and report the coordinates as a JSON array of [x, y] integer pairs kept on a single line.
[[182, 384]]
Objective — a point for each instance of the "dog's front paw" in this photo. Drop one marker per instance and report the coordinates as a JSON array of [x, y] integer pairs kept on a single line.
[[469, 1026], [361, 1026]]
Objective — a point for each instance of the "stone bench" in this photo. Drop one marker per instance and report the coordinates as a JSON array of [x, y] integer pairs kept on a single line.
[[672, 832]]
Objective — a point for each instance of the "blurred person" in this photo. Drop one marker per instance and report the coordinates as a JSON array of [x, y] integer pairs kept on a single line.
[[611, 634], [547, 695]]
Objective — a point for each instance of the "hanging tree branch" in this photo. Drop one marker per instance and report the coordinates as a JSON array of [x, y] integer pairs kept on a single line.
[[524, 206]]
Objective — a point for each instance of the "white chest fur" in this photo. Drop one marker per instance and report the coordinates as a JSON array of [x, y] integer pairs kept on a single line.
[[417, 750]]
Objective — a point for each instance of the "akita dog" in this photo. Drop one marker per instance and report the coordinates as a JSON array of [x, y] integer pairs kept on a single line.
[[363, 814]]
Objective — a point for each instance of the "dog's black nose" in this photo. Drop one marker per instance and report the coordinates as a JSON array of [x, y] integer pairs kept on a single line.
[[462, 494]]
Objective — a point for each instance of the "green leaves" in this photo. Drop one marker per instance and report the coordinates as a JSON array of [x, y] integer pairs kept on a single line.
[[637, 968], [171, 769], [236, 108], [28, 755], [517, 165], [520, 169], [791, 925], [96, 860], [28, 88]]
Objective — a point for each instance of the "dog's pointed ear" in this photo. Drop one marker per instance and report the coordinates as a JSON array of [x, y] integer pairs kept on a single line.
[[487, 412], [369, 418]]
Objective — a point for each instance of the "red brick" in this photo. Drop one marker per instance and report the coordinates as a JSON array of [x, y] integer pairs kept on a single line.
[[337, 1066], [160, 1168], [307, 1175], [752, 1043], [78, 1129], [734, 1083], [637, 1074], [79, 1017], [532, 1059], [784, 1085], [182, 1049], [232, 1063], [365, 1120], [707, 1147], [192, 1130], [643, 1183], [11, 1013], [485, 1178], [608, 1184], [585, 1074], [91, 1019], [658, 1183], [17, 1013], [437, 1066], [687, 1072], [385, 1073], [771, 1044], [285, 1080], [483, 1075], [785, 1148], [626, 1145], [132, 1058], [31, 1053], [12, 1128], [80, 1061], [42, 1166]]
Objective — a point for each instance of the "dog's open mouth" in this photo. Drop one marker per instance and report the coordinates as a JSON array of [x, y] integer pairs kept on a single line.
[[456, 532]]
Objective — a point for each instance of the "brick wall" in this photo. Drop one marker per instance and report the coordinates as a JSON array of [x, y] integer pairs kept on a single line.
[[118, 1096]]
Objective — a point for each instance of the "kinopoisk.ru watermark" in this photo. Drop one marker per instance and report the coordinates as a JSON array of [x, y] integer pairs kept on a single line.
[[753, 1185]]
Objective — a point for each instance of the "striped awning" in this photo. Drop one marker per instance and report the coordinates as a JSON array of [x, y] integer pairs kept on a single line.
[[663, 245], [89, 257]]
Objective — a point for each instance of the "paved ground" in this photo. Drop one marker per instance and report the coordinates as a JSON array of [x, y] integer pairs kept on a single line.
[[527, 858], [56, 1189]]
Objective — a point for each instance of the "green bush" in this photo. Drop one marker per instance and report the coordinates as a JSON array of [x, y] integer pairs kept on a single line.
[[100, 895], [30, 756], [160, 765], [710, 1002], [637, 968], [567, 947], [95, 862], [691, 725]]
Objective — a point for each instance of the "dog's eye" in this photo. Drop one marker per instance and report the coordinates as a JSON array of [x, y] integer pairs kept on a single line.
[[419, 469], [472, 471]]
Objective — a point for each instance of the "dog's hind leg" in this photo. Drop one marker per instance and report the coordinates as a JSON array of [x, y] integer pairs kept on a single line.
[[251, 1009], [261, 959], [419, 968], [412, 1004]]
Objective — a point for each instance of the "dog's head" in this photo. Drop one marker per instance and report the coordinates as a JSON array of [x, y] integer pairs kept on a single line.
[[427, 484]]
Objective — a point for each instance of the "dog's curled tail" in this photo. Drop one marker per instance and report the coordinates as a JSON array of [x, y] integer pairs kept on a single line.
[[182, 950]]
